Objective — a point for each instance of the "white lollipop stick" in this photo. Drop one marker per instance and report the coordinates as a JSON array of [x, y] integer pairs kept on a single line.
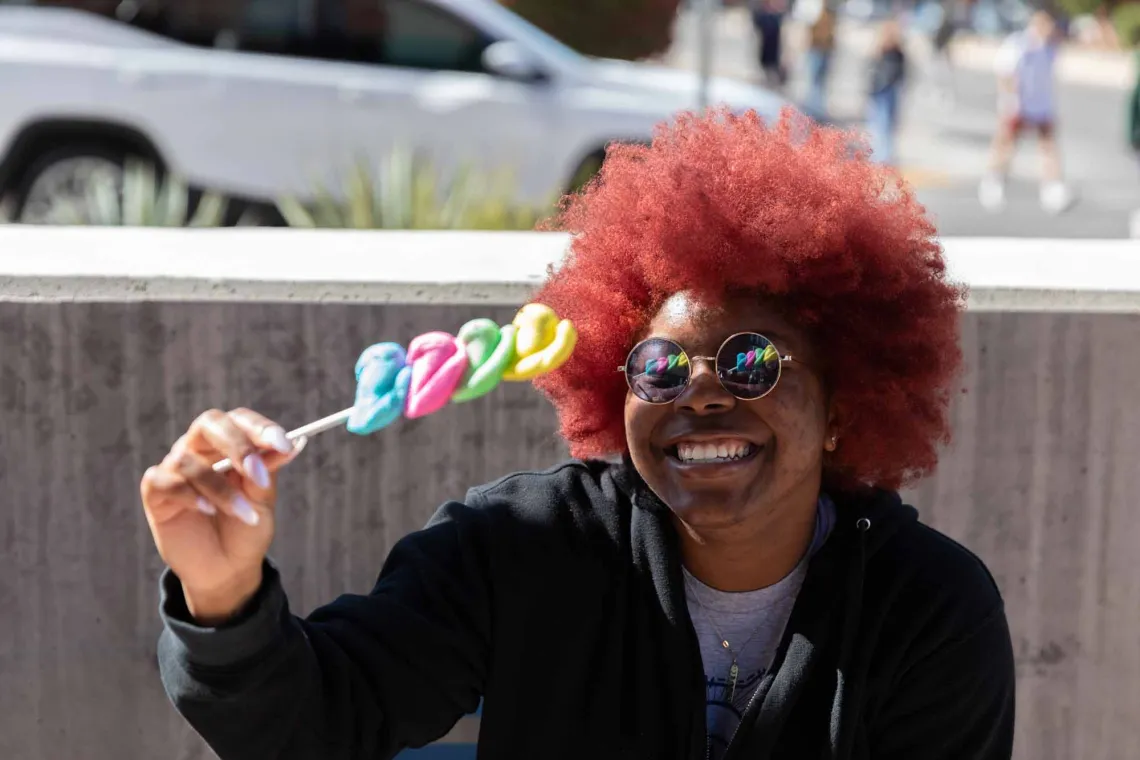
[[534, 314], [313, 428]]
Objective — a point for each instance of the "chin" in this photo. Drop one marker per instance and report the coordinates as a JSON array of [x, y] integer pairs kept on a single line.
[[709, 503], [705, 513]]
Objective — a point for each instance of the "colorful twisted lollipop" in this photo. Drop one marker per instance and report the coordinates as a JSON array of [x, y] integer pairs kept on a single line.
[[438, 363], [382, 382], [490, 351], [543, 343], [665, 363], [439, 367], [752, 358]]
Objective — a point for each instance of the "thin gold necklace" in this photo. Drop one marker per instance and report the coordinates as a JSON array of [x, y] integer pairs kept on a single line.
[[734, 669]]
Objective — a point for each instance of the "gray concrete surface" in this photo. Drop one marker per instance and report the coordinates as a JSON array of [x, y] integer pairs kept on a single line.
[[117, 264], [944, 148], [1040, 482]]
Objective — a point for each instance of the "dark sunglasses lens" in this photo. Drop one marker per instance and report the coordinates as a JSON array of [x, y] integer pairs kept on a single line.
[[748, 365], [657, 370]]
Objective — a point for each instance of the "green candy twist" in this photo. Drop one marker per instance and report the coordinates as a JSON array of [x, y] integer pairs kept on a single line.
[[490, 352]]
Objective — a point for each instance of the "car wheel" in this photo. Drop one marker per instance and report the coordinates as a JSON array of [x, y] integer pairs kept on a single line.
[[58, 187], [586, 171]]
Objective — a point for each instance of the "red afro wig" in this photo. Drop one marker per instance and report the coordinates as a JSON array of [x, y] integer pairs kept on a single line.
[[796, 214]]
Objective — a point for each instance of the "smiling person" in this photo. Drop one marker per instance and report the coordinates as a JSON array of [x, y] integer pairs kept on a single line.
[[767, 351]]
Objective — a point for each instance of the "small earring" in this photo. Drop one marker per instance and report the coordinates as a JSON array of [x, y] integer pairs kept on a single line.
[[832, 443]]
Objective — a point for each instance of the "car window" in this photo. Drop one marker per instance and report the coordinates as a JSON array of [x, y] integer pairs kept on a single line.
[[423, 36], [405, 33], [197, 22]]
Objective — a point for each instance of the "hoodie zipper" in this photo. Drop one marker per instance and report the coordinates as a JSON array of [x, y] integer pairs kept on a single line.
[[743, 715], [862, 526]]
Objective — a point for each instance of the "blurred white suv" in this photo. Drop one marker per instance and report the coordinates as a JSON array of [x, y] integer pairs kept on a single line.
[[261, 99]]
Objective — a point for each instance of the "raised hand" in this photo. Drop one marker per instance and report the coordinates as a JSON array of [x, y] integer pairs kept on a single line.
[[214, 530]]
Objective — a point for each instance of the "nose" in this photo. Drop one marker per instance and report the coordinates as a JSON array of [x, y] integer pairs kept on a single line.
[[704, 395]]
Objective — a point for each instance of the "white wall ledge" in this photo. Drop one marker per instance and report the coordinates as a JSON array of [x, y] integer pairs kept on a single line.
[[143, 264]]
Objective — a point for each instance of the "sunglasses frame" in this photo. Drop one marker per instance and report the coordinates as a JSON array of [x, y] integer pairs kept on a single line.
[[624, 368]]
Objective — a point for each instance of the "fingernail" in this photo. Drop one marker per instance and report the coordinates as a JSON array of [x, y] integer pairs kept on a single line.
[[206, 507], [275, 436], [254, 467], [245, 512]]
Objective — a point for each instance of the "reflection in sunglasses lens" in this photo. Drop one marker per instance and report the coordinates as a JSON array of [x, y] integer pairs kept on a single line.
[[657, 370], [748, 365]]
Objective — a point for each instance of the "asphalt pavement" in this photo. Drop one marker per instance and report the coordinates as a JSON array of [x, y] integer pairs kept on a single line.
[[943, 146]]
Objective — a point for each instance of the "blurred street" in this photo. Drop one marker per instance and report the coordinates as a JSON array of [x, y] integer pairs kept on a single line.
[[944, 147]]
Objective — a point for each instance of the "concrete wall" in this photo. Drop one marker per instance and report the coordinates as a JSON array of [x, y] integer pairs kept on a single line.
[[1041, 482]]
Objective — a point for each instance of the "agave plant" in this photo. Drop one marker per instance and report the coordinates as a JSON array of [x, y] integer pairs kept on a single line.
[[406, 194], [138, 197]]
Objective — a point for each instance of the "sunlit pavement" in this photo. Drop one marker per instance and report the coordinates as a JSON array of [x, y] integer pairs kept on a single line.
[[943, 146]]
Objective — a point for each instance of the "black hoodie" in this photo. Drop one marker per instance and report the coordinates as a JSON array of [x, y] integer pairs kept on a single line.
[[558, 598]]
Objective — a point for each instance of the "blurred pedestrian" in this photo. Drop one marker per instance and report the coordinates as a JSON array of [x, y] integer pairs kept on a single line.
[[1026, 102], [768, 20], [821, 46], [955, 17], [888, 76]]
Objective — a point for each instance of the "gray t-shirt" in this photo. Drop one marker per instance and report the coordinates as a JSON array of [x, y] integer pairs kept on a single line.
[[753, 623]]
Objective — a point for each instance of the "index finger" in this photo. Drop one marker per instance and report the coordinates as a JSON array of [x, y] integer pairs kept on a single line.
[[262, 429]]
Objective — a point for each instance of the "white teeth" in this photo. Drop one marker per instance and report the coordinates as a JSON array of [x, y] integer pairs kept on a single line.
[[726, 450]]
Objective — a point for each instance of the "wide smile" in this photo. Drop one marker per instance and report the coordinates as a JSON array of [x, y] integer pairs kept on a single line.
[[712, 458]]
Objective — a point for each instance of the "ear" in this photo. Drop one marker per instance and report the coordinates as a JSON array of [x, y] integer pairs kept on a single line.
[[831, 431]]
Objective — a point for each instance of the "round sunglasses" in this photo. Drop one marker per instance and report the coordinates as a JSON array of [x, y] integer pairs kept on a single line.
[[748, 366]]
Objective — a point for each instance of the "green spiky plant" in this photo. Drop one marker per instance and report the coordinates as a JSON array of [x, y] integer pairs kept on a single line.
[[404, 193], [140, 198]]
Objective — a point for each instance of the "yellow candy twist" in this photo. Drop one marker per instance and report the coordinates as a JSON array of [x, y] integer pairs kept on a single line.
[[543, 343]]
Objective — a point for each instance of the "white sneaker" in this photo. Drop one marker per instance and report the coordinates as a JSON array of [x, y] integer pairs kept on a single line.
[[991, 193], [1056, 197]]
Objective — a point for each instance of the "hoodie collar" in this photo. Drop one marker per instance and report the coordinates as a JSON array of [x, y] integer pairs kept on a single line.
[[830, 600]]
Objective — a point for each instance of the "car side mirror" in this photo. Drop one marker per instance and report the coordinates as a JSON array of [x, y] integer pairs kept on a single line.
[[511, 60]]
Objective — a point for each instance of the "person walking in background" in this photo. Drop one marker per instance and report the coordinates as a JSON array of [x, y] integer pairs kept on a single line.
[[821, 45], [1026, 102], [888, 76], [768, 20], [955, 17]]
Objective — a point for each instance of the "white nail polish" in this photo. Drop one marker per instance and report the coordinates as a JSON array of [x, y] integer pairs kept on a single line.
[[255, 468], [245, 512], [275, 436], [206, 507]]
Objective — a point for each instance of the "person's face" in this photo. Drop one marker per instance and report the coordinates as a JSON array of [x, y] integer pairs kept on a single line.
[[1043, 26], [775, 443], [891, 34]]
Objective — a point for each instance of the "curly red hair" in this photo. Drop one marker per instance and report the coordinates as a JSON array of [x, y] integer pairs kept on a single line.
[[794, 213]]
